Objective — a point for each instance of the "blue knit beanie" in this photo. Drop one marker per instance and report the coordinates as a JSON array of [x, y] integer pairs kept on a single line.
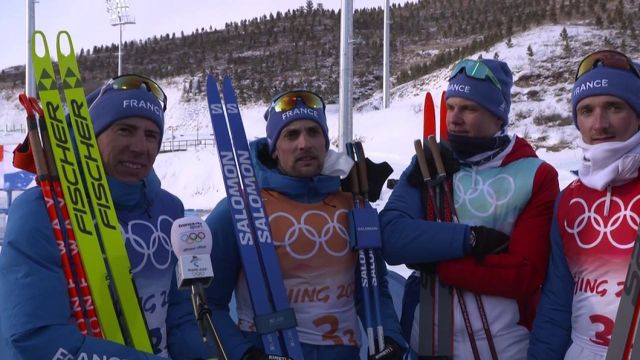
[[484, 91], [276, 121], [603, 80], [113, 105]]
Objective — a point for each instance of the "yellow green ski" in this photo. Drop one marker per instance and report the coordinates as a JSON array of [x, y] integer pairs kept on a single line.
[[91, 209]]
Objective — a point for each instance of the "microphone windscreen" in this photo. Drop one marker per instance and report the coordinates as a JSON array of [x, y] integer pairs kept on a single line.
[[190, 236]]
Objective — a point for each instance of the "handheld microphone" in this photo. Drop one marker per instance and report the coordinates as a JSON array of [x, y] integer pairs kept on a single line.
[[191, 242]]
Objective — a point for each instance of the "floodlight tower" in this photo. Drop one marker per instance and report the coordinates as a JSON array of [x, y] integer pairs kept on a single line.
[[119, 12]]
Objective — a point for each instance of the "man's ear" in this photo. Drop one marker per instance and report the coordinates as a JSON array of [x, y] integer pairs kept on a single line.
[[498, 122]]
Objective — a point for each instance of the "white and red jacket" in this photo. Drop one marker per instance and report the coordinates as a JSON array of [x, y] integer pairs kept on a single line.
[[593, 236], [514, 194]]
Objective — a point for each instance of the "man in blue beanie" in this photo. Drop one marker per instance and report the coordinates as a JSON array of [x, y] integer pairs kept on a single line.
[[594, 222], [35, 317], [300, 180], [496, 256]]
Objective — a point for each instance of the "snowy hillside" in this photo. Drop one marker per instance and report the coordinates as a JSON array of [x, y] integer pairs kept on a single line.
[[388, 134], [541, 91]]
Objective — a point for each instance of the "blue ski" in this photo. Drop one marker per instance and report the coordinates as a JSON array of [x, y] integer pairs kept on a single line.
[[260, 220], [266, 287]]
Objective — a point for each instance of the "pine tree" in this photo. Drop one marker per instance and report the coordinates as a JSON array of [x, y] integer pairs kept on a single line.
[[509, 43], [566, 48], [529, 52], [564, 35]]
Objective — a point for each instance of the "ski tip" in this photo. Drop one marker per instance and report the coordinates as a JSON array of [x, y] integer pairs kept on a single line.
[[444, 135], [429, 114], [213, 94], [64, 35], [36, 51], [428, 97]]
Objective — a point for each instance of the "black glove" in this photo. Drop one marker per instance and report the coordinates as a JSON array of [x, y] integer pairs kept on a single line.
[[377, 174], [391, 351], [451, 164], [485, 241]]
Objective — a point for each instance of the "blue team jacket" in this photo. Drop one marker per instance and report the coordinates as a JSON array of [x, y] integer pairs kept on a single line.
[[35, 317], [226, 260]]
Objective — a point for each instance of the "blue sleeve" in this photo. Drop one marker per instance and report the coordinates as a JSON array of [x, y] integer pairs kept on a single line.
[[390, 321], [407, 238], [226, 263], [183, 339], [35, 316], [551, 334]]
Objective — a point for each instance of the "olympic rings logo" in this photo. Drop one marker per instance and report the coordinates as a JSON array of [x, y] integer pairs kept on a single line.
[[155, 247], [297, 231], [192, 237], [495, 192], [624, 216]]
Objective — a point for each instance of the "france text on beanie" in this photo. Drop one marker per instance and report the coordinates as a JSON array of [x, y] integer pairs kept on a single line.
[[276, 121], [114, 104], [484, 91], [604, 80]]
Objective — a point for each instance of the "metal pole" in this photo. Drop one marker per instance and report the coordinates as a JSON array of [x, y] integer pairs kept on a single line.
[[345, 127], [120, 51], [386, 59], [30, 79]]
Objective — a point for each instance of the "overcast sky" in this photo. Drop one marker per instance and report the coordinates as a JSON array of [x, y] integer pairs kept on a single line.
[[88, 22]]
